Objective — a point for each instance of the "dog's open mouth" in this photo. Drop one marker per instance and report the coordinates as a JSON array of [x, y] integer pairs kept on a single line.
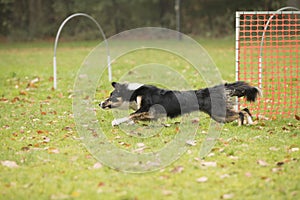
[[105, 104]]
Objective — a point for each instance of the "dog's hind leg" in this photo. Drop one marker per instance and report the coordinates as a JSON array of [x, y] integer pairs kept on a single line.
[[241, 119], [144, 116], [248, 115], [244, 116]]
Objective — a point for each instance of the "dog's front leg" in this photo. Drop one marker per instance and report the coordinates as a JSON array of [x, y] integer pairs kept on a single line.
[[119, 121], [140, 114]]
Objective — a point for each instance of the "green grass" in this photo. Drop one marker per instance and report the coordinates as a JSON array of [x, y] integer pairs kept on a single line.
[[38, 133]]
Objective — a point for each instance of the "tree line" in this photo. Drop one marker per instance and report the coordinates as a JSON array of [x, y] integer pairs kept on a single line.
[[40, 19]]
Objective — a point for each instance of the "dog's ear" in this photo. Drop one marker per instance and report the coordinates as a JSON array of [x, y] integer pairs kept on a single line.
[[114, 84]]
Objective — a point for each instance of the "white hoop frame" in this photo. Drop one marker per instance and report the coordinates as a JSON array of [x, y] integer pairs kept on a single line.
[[238, 14], [56, 41]]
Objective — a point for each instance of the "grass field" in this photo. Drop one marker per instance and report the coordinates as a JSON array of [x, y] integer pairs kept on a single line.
[[43, 157]]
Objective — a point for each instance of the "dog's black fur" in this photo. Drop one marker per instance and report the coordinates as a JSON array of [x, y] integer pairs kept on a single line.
[[152, 102]]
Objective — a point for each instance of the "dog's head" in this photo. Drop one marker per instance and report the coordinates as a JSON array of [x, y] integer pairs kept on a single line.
[[121, 96]]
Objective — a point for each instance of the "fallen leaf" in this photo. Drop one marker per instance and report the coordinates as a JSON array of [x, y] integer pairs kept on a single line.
[[97, 165], [10, 164], [139, 150], [14, 100], [202, 179], [124, 144], [25, 148], [297, 117], [167, 192], [31, 83], [46, 139], [273, 149], [233, 157], [267, 179], [290, 124], [227, 196], [4, 99], [285, 129], [166, 125], [59, 196], [294, 149], [140, 144], [280, 163], [262, 163], [177, 169], [224, 176], [191, 142], [210, 154], [52, 150], [22, 92], [248, 174], [195, 120], [277, 169], [100, 184], [208, 164]]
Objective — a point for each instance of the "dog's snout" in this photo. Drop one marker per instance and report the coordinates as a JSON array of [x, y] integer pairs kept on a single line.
[[102, 104]]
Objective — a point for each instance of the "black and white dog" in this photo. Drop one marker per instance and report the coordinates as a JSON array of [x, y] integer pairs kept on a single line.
[[151, 102]]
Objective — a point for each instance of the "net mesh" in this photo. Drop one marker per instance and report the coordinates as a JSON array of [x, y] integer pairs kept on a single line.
[[278, 76]]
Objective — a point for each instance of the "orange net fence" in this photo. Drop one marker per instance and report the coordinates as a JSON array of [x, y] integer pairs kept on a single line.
[[268, 56]]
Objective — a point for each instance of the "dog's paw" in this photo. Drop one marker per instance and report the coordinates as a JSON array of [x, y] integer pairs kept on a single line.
[[116, 122]]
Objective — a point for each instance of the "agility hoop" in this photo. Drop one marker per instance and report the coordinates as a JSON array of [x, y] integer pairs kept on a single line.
[[56, 41]]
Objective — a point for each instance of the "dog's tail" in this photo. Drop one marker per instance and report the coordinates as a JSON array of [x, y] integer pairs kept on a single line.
[[243, 89]]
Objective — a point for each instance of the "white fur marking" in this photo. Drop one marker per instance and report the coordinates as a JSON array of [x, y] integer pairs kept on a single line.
[[138, 101], [134, 86], [260, 93], [102, 103], [249, 119]]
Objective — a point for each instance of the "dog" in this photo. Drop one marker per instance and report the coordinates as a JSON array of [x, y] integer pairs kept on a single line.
[[151, 102]]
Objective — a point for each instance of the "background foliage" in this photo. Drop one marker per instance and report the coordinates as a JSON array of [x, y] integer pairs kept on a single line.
[[38, 19]]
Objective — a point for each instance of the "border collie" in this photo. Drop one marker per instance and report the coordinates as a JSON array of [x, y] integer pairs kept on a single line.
[[151, 102]]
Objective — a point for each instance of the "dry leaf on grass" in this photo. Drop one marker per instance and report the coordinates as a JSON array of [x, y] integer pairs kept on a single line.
[[208, 164], [262, 163], [191, 142], [53, 150], [227, 196], [167, 192], [177, 169], [294, 149], [97, 165], [9, 163], [202, 179]]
